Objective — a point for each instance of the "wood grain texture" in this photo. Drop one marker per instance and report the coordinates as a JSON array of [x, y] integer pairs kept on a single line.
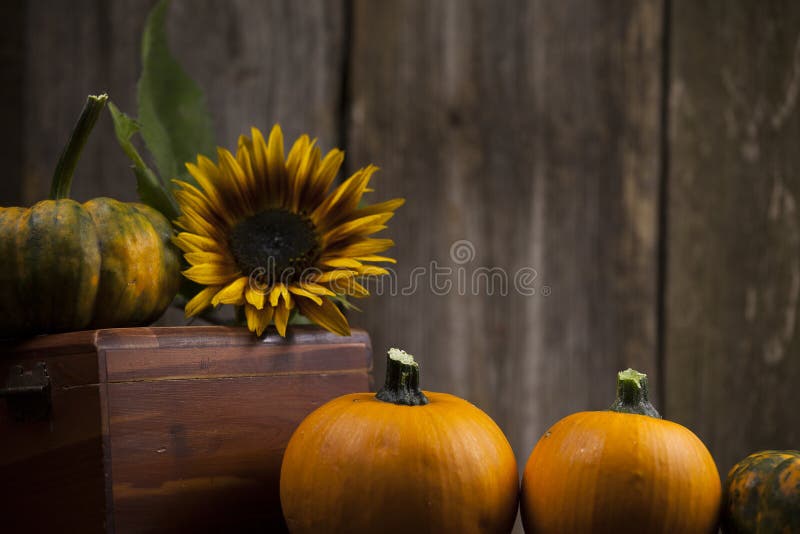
[[531, 130], [12, 111], [259, 63], [75, 49], [265, 62], [199, 417], [60, 461], [186, 460], [732, 343], [167, 429]]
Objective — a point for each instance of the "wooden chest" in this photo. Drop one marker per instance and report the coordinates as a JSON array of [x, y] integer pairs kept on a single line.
[[160, 429]]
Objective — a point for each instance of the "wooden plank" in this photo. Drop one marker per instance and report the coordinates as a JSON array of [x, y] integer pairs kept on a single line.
[[150, 353], [229, 352], [732, 364], [531, 130], [265, 62], [12, 98], [288, 71], [205, 454], [75, 49], [54, 466]]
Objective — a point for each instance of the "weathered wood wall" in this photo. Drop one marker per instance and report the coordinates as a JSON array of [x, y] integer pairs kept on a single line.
[[639, 156], [525, 134], [732, 347]]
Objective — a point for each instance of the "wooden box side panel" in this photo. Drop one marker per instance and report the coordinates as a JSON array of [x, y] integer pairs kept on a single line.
[[215, 352], [52, 472], [205, 454]]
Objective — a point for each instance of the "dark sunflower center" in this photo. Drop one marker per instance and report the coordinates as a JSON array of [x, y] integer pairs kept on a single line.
[[274, 245]]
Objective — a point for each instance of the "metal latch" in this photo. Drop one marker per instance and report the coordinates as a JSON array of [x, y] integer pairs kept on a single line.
[[27, 393]]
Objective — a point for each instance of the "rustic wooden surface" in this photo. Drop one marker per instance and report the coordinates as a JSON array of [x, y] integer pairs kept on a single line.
[[732, 345], [639, 155], [530, 130], [167, 429], [60, 461], [288, 71]]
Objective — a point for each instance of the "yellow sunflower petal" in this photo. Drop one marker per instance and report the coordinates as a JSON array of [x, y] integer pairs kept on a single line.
[[205, 181], [211, 274], [196, 258], [189, 242], [257, 320], [297, 153], [186, 187], [323, 177], [344, 200], [303, 293], [287, 296], [354, 289], [245, 160], [198, 204], [360, 248], [255, 297], [282, 319], [190, 195], [363, 226], [380, 207], [195, 223], [304, 177], [341, 263], [209, 168], [259, 161], [316, 289], [276, 166], [373, 270], [327, 315], [384, 259], [233, 293], [200, 301], [236, 180], [274, 295], [338, 274]]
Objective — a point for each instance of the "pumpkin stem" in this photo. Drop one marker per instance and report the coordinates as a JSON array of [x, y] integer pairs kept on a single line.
[[632, 394], [62, 177], [402, 380]]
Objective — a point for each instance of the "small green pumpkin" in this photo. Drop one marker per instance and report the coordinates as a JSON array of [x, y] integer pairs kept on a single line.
[[70, 266], [762, 494]]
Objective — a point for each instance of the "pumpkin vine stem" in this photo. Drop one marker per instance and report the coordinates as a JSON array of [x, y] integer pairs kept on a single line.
[[402, 380], [62, 177], [632, 394]]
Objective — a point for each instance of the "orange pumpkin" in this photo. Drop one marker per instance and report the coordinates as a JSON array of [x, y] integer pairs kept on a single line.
[[399, 461], [621, 470]]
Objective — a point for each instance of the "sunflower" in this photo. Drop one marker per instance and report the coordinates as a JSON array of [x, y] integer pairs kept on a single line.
[[268, 234]]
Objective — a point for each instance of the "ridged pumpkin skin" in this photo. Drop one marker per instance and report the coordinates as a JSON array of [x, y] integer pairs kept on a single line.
[[66, 266], [762, 494], [607, 471], [361, 465]]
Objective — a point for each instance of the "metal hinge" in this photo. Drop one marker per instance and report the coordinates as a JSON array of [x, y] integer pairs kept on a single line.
[[27, 393]]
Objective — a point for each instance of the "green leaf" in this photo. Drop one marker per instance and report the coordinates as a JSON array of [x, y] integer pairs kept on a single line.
[[175, 121], [151, 190]]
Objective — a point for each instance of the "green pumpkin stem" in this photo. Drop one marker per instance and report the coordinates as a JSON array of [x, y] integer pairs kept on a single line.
[[62, 177], [402, 380], [632, 394]]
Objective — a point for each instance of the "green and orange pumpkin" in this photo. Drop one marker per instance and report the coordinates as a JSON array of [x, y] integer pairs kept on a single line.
[[762, 494], [70, 266]]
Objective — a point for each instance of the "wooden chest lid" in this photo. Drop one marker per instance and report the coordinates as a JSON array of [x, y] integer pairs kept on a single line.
[[160, 353]]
